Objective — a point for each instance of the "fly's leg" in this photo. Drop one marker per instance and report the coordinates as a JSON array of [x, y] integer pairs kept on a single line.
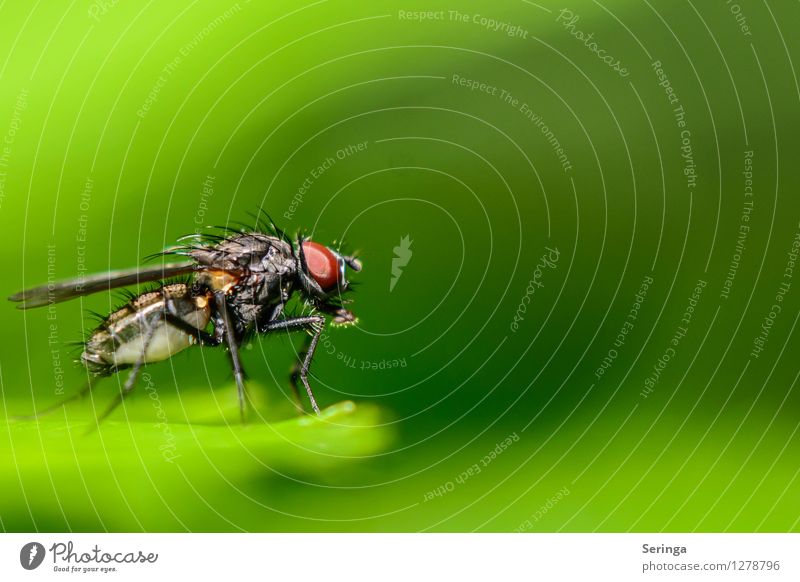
[[294, 377], [203, 338], [130, 381], [229, 337], [276, 312], [316, 323], [50, 409]]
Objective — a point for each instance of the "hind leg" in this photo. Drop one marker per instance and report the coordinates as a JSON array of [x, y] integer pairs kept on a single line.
[[130, 381], [90, 381]]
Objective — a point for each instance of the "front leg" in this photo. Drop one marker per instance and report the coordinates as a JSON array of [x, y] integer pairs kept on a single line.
[[294, 376], [316, 323]]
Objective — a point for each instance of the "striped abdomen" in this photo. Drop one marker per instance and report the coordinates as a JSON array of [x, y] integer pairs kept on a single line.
[[119, 341]]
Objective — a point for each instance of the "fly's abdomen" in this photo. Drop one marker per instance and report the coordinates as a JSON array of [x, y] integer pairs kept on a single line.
[[140, 328]]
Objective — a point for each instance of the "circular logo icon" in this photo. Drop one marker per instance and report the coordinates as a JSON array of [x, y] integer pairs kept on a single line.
[[31, 555]]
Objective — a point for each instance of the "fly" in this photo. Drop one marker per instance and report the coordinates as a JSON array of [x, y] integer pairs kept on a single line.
[[237, 284]]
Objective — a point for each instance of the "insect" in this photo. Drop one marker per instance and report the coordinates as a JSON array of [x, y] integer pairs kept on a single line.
[[235, 284]]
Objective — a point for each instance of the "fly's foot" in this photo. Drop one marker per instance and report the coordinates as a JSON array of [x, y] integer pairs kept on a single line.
[[344, 316]]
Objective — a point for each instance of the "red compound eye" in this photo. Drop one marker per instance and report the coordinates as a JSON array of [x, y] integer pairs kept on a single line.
[[322, 265]]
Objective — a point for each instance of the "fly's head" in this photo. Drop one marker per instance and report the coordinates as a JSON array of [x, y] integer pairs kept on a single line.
[[322, 275]]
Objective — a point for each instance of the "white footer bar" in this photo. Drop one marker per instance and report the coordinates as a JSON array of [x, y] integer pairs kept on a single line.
[[419, 557]]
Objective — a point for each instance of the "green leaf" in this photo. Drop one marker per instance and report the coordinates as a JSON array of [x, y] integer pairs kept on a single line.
[[63, 461]]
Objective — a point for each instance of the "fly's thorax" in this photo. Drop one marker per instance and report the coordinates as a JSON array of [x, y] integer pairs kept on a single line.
[[255, 295], [245, 252], [254, 271], [120, 340]]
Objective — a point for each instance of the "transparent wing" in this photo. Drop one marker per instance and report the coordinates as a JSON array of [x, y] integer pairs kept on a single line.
[[64, 290]]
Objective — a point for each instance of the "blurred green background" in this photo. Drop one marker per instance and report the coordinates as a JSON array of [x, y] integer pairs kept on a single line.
[[544, 159]]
